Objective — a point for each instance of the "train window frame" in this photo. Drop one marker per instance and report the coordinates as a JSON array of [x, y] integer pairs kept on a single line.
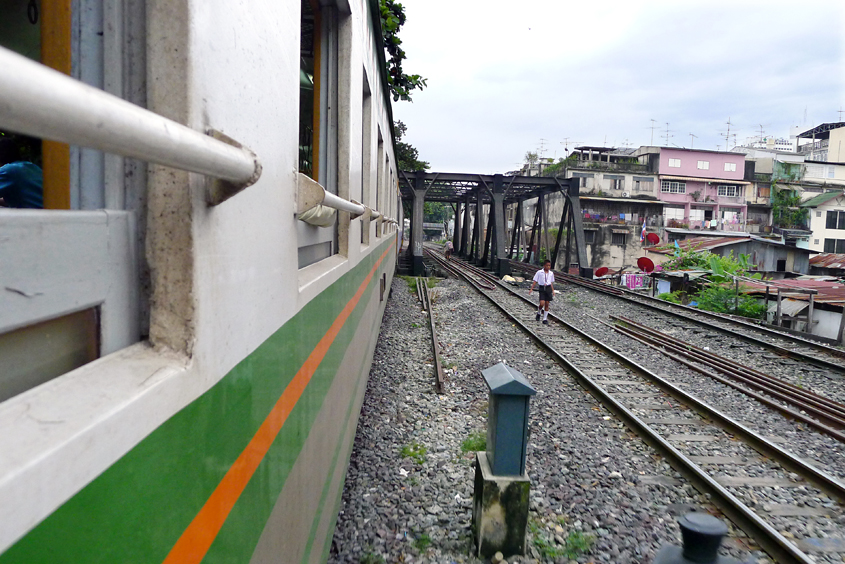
[[84, 250], [316, 244], [366, 157], [380, 163]]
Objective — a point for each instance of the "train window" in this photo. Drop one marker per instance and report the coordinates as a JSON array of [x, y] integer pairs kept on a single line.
[[366, 157], [318, 120], [93, 257], [380, 181], [81, 40]]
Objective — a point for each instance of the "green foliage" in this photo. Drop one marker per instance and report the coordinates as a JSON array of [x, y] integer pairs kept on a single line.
[[431, 282], [676, 297], [371, 557], [531, 158], [422, 542], [476, 442], [723, 298], [407, 156], [436, 212], [575, 544], [415, 451], [786, 212], [412, 282], [692, 258], [401, 84]]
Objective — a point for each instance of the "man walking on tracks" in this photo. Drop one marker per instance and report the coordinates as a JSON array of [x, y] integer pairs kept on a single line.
[[448, 249], [546, 279]]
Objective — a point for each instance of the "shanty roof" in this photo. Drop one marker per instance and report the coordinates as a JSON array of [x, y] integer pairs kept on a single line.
[[708, 233], [821, 131], [828, 292], [828, 260], [821, 199], [701, 244], [788, 306], [708, 243]]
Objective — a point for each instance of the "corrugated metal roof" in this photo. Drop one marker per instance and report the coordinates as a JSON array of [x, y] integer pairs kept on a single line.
[[828, 260], [701, 244], [821, 199], [788, 306], [828, 292]]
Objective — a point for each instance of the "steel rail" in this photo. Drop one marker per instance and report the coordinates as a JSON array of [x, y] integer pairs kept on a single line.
[[833, 351], [435, 346], [820, 405], [688, 315], [457, 268], [768, 538], [786, 411]]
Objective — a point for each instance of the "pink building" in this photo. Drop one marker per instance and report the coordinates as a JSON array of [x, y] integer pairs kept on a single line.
[[701, 189]]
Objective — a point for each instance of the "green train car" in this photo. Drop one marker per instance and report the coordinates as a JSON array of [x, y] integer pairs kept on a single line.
[[187, 326]]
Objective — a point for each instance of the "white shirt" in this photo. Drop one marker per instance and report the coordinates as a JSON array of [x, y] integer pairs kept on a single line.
[[544, 278]]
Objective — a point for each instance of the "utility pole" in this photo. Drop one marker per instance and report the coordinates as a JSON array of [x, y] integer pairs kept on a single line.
[[691, 141], [652, 132]]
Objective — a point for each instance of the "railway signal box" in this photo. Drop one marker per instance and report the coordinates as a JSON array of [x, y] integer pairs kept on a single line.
[[507, 422]]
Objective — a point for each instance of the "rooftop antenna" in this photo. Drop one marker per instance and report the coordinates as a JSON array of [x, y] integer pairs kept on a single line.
[[692, 139], [727, 135], [840, 113], [652, 132], [542, 149], [566, 142], [667, 134]]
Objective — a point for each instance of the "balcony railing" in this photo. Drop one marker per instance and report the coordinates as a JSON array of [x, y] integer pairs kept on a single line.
[[611, 167]]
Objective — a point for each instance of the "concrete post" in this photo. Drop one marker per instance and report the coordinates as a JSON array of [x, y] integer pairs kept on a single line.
[[500, 235], [417, 225]]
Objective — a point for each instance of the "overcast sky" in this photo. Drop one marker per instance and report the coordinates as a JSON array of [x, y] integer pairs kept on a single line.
[[504, 75]]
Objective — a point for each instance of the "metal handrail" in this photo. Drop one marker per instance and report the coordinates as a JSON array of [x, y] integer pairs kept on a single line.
[[39, 101]]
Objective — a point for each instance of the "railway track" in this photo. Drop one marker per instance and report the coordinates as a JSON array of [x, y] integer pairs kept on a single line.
[[722, 457], [425, 299], [784, 345]]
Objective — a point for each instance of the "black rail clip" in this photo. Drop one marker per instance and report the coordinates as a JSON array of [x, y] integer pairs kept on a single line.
[[702, 536]]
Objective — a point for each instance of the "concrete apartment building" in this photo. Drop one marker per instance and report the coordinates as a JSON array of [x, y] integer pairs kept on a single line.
[[700, 189]]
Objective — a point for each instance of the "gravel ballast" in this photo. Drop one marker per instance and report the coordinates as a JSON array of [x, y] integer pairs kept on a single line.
[[408, 491]]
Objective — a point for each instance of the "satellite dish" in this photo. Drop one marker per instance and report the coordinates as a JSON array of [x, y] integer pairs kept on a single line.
[[653, 238], [645, 264], [601, 271]]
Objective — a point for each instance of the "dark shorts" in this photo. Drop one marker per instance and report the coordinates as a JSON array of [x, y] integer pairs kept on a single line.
[[546, 294]]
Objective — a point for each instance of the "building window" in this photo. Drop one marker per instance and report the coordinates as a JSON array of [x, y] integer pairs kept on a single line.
[[815, 241], [616, 182], [834, 246], [835, 220], [675, 163], [589, 236], [818, 214], [830, 172], [730, 167], [727, 191], [671, 187], [703, 165], [618, 238]]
